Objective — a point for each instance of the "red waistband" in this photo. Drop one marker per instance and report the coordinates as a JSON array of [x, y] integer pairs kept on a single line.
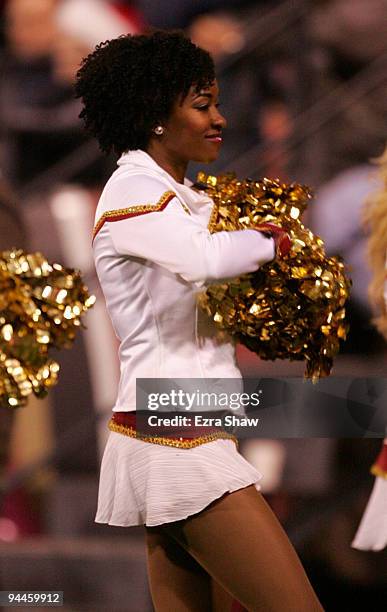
[[379, 468], [381, 461]]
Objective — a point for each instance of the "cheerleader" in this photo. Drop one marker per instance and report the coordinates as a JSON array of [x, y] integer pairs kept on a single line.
[[154, 100], [372, 531]]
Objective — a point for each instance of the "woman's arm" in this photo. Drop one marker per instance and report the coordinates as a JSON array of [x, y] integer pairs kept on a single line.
[[164, 232]]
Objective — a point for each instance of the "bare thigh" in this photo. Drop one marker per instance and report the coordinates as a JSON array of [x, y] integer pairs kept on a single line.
[[240, 543], [178, 582]]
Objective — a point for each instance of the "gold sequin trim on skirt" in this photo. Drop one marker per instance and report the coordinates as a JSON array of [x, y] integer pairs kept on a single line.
[[376, 470], [175, 442]]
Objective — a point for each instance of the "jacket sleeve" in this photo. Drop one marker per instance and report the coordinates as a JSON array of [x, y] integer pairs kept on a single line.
[[154, 224]]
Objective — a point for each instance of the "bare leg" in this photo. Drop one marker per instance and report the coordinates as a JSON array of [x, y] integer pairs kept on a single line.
[[177, 581], [241, 544], [222, 600]]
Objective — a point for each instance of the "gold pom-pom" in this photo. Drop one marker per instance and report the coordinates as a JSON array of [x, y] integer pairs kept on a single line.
[[293, 307], [40, 307]]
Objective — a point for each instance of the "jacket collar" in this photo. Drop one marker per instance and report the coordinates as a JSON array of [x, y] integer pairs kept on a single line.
[[140, 158]]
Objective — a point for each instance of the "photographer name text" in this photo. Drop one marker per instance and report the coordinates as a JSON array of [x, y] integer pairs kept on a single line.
[[199, 420]]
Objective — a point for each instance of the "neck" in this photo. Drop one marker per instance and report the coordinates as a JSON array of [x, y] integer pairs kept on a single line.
[[168, 162]]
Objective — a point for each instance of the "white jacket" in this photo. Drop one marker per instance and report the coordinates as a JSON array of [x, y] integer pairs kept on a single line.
[[153, 253]]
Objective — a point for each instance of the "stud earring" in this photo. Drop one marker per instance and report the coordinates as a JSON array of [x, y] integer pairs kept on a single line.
[[159, 130]]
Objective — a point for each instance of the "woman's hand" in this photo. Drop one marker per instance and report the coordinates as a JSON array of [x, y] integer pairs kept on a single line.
[[280, 236]]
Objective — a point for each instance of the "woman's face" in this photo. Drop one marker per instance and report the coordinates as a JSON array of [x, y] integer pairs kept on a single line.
[[193, 131]]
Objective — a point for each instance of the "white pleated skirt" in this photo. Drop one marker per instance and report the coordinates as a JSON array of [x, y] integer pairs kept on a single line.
[[148, 484], [372, 531]]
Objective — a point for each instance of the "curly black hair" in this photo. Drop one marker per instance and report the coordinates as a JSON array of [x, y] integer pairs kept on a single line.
[[129, 84]]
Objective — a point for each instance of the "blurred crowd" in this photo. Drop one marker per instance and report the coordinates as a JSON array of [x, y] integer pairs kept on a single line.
[[303, 87]]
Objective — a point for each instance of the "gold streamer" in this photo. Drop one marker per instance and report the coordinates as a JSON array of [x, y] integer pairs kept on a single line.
[[41, 306], [291, 308]]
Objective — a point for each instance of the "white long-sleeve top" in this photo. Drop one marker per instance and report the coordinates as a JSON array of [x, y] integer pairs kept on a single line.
[[153, 253]]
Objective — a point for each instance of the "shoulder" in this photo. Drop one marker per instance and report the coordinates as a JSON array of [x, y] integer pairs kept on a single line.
[[131, 194], [131, 187], [140, 181]]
